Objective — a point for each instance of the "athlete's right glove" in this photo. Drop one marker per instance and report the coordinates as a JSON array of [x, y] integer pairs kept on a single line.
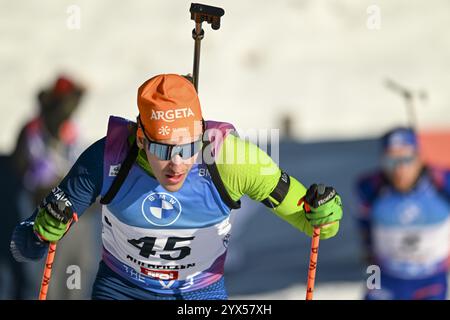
[[53, 220], [323, 205]]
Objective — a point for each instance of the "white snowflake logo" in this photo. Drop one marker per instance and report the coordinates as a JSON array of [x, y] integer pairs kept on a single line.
[[164, 130]]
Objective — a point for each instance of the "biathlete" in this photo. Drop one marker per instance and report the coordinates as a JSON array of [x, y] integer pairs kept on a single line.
[[168, 183]]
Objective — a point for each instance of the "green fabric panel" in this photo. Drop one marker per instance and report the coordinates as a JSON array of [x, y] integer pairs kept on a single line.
[[245, 169]]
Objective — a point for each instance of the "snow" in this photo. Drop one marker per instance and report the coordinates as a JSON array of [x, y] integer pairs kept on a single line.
[[334, 291]]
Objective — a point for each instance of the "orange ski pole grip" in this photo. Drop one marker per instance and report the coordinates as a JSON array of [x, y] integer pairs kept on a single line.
[[313, 263], [313, 256], [47, 271], [49, 266]]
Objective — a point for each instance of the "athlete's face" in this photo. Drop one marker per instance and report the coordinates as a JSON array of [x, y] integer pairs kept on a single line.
[[402, 165], [172, 173]]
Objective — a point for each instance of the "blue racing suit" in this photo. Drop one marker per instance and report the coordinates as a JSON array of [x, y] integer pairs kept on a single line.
[[407, 234]]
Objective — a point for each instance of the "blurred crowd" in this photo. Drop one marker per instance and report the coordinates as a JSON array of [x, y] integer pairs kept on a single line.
[[46, 148]]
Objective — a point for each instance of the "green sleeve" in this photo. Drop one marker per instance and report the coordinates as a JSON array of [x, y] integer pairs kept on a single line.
[[245, 169]]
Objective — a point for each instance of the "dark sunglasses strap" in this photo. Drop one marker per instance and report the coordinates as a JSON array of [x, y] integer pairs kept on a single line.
[[121, 176]]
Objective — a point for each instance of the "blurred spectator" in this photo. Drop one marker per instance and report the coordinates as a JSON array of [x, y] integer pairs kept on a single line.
[[404, 221], [45, 149]]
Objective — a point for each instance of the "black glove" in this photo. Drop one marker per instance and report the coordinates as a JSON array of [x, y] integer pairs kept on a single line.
[[323, 205]]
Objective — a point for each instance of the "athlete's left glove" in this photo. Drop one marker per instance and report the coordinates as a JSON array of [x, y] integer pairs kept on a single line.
[[53, 220], [323, 205]]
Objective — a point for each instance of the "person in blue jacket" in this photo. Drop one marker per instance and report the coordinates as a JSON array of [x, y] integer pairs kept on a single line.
[[404, 221]]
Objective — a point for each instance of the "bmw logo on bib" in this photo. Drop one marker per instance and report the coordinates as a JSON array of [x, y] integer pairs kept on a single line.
[[161, 209]]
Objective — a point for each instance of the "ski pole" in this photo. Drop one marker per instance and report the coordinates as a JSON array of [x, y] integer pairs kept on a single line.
[[313, 255], [202, 13], [313, 263], [47, 271], [409, 97], [49, 266]]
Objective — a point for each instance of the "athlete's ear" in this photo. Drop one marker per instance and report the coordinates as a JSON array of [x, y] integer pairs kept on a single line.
[[139, 139]]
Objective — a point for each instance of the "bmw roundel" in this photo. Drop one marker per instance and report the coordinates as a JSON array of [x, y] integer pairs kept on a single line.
[[161, 209]]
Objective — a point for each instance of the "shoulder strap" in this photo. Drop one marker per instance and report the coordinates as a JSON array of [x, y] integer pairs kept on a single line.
[[218, 183], [130, 159], [121, 176]]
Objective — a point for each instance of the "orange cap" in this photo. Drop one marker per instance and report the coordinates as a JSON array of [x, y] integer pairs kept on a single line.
[[169, 107]]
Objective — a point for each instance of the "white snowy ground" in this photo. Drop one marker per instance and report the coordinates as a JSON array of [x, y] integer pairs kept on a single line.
[[313, 59]]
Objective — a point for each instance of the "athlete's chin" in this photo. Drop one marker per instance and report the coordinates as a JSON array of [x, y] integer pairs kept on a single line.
[[172, 187]]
